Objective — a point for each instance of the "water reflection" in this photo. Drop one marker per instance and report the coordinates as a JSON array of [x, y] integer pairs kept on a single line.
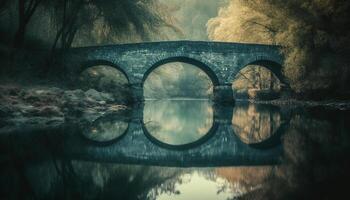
[[73, 179], [315, 165], [106, 128], [93, 180], [254, 123], [198, 184], [178, 122]]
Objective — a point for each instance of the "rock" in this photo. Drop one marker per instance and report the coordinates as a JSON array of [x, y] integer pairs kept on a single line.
[[41, 96], [94, 95], [31, 97], [41, 107], [49, 111], [73, 95], [102, 102], [26, 109], [5, 111], [9, 90], [107, 97], [99, 96]]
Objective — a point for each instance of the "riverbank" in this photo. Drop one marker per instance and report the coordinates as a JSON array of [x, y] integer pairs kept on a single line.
[[47, 106], [42, 106], [332, 104]]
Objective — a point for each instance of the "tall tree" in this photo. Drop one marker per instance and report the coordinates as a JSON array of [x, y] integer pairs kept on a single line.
[[67, 14], [122, 16], [26, 9]]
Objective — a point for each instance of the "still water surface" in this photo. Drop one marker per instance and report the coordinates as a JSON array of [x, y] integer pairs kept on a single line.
[[315, 141], [178, 122]]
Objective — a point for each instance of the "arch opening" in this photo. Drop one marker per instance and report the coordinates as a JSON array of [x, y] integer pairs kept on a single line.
[[106, 82], [179, 78], [261, 80]]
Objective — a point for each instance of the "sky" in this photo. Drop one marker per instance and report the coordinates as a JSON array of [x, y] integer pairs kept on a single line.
[[191, 16]]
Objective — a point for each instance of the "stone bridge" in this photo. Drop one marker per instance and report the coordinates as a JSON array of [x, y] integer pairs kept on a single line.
[[220, 61]]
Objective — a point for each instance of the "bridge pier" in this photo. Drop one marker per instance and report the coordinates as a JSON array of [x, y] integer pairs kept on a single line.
[[223, 94], [136, 92], [223, 114], [285, 91]]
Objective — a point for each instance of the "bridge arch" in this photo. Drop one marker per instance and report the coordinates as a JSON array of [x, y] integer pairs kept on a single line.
[[272, 65], [91, 63], [95, 132], [204, 67]]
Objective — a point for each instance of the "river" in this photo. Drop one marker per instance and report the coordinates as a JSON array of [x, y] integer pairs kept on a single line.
[[183, 149]]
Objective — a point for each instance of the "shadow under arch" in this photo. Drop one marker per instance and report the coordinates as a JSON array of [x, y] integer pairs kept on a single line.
[[92, 63], [273, 66], [205, 68], [180, 147]]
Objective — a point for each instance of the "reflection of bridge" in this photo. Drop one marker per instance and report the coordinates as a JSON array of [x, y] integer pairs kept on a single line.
[[221, 61], [220, 147]]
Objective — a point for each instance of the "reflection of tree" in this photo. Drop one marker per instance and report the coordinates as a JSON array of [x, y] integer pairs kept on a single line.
[[206, 177], [255, 77], [89, 180], [253, 123], [246, 178], [315, 162]]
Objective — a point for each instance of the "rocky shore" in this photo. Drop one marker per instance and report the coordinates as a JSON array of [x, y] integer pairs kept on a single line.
[[44, 106], [50, 106]]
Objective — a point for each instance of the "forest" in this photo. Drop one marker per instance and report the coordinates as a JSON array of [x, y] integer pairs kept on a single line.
[[313, 34], [89, 138]]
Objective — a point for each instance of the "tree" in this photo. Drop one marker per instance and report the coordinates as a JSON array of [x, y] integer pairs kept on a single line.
[[141, 17], [26, 9], [314, 35], [68, 14]]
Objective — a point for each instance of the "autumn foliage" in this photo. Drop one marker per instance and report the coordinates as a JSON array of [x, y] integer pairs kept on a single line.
[[314, 35]]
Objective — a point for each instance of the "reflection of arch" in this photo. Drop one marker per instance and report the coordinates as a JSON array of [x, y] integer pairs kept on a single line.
[[206, 69], [88, 64], [273, 66], [272, 141], [113, 117], [274, 138], [194, 144]]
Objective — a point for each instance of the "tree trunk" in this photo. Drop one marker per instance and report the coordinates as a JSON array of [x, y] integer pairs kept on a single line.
[[19, 36], [25, 12]]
